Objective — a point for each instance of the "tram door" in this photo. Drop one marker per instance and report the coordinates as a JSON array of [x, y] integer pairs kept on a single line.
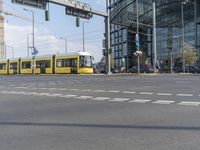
[[42, 67], [74, 65]]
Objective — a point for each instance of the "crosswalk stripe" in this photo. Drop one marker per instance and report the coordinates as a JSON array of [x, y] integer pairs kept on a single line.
[[140, 101]]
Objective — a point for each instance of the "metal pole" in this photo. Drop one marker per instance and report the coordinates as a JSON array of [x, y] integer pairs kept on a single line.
[[83, 37], [138, 58], [171, 61], [183, 36], [154, 37], [33, 29], [27, 45], [5, 55], [137, 36], [65, 45], [107, 27]]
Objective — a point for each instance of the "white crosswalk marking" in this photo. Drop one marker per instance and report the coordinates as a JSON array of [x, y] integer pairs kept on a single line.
[[187, 95], [189, 103], [128, 92], [100, 98], [163, 102], [146, 93], [140, 101], [119, 100], [164, 94], [113, 91], [68, 96], [83, 97]]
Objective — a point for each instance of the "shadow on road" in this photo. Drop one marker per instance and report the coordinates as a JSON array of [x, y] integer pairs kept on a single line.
[[147, 127]]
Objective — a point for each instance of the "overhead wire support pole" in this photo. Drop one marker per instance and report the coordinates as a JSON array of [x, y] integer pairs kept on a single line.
[[154, 37], [137, 38]]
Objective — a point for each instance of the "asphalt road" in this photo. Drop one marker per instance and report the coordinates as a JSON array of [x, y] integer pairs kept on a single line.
[[66, 112]]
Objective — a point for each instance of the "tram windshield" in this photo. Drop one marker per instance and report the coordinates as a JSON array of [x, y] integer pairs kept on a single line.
[[85, 61]]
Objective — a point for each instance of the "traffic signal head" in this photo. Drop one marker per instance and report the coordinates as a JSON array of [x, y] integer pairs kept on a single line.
[[77, 21], [47, 15], [104, 52]]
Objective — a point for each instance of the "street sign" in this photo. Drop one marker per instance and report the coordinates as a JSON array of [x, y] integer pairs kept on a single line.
[[137, 41], [78, 13], [34, 3]]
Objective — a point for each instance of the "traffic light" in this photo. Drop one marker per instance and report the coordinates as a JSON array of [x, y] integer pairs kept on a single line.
[[110, 51], [77, 21], [47, 15], [104, 52]]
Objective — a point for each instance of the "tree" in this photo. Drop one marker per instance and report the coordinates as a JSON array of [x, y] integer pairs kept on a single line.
[[190, 54]]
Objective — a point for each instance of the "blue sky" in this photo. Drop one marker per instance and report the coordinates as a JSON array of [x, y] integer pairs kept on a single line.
[[48, 33]]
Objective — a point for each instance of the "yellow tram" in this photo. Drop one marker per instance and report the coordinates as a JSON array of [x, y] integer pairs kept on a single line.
[[72, 63], [4, 67]]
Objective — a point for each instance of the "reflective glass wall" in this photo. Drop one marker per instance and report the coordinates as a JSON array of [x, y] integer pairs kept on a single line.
[[169, 31]]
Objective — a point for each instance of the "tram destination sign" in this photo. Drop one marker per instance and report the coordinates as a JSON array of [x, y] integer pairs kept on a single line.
[[33, 3]]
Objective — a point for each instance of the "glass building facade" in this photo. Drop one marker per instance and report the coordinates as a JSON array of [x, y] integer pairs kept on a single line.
[[169, 23]]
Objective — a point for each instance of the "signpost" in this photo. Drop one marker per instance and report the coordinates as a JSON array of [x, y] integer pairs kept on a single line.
[[138, 54]]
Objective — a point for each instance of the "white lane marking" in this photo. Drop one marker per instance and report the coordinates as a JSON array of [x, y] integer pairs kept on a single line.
[[119, 100], [98, 90], [140, 101], [83, 97], [188, 95], [63, 89], [146, 93], [52, 88], [189, 103], [164, 94], [128, 92], [86, 90], [68, 96], [20, 87], [113, 91], [100, 98], [56, 95], [44, 94], [74, 89], [163, 102]]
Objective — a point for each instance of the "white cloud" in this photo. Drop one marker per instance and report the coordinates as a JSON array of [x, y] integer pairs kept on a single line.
[[16, 36]]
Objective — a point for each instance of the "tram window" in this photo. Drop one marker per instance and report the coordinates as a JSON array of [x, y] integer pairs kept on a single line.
[[63, 63], [13, 65], [38, 64], [3, 66], [26, 65], [59, 63], [47, 64], [67, 63], [85, 61]]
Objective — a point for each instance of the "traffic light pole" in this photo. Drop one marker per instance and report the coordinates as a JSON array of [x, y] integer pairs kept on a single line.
[[107, 28]]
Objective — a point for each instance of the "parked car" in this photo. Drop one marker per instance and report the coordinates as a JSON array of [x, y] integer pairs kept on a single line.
[[188, 69], [143, 69]]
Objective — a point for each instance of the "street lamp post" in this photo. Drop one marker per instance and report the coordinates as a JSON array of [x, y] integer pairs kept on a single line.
[[33, 25], [33, 32], [65, 39], [183, 32], [28, 44]]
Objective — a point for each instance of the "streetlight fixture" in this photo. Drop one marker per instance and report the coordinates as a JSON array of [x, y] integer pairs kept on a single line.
[[84, 35]]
